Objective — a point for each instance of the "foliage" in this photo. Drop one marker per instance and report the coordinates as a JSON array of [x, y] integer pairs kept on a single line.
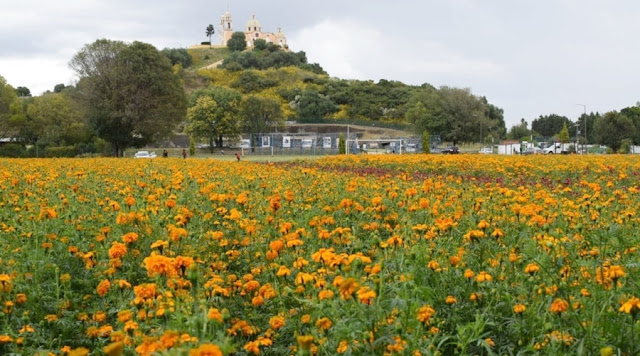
[[210, 31], [563, 135], [549, 125], [311, 105], [178, 55], [237, 42], [23, 91], [260, 44], [13, 150], [214, 113], [342, 146], [131, 92], [251, 81], [625, 145], [612, 128], [426, 142], [517, 132], [261, 114], [192, 146], [9, 108], [59, 88], [454, 113]]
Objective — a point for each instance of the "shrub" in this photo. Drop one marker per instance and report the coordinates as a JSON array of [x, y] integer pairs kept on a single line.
[[13, 150]]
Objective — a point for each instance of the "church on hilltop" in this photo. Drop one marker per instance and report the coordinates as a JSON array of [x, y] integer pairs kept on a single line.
[[252, 31]]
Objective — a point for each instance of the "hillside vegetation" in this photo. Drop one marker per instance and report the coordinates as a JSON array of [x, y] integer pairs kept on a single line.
[[306, 93]]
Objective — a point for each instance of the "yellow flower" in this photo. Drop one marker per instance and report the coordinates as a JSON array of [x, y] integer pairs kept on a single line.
[[450, 299]]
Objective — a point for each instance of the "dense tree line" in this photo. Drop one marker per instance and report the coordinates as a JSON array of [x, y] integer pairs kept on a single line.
[[127, 95], [268, 55]]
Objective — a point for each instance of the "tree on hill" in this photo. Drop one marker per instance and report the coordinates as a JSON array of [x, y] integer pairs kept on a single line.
[[237, 42], [260, 44], [23, 92], [178, 55], [59, 87], [210, 31], [213, 114], [130, 91], [312, 105]]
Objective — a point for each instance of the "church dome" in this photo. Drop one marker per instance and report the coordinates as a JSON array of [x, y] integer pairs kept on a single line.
[[253, 24]]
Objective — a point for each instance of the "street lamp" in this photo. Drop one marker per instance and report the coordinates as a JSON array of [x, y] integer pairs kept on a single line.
[[585, 127]]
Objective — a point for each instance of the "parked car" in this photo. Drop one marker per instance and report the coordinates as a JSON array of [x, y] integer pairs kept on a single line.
[[144, 154], [451, 150], [533, 151], [486, 150]]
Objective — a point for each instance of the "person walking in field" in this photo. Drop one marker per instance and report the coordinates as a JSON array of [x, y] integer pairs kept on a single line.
[[238, 157], [184, 153]]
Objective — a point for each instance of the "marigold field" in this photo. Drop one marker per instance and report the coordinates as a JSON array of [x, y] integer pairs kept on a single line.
[[382, 255]]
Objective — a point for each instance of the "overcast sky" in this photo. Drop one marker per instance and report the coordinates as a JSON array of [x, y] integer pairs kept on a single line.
[[530, 58]]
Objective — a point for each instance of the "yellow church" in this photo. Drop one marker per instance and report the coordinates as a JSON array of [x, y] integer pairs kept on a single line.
[[252, 31]]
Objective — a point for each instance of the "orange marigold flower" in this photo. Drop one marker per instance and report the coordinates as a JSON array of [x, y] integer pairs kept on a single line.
[[519, 308], [130, 237], [450, 299], [483, 277], [468, 274], [325, 294], [631, 306], [559, 305], [206, 350], [117, 250], [103, 287], [324, 323], [365, 295], [425, 313], [214, 314], [276, 322], [531, 268], [159, 265]]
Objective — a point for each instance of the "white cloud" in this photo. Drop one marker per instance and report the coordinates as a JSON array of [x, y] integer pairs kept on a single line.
[[355, 50], [39, 74]]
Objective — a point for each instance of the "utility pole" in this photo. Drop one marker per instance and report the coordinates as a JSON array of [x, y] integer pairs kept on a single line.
[[586, 150]]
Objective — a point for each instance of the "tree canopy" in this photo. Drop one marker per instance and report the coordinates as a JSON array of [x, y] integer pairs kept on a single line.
[[132, 95], [549, 125], [214, 113], [237, 42]]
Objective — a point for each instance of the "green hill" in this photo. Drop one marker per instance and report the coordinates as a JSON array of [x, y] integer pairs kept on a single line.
[[307, 94]]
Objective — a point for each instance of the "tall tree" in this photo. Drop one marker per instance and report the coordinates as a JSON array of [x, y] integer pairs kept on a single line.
[[612, 128], [261, 114], [563, 136], [132, 95], [210, 31], [549, 125], [53, 119], [213, 114], [10, 109], [237, 42], [518, 132], [23, 91]]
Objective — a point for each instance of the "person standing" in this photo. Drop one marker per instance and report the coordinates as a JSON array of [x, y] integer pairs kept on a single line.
[[184, 153], [237, 156]]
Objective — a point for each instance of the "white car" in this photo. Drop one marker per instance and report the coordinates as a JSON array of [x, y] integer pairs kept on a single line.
[[486, 150], [144, 154]]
